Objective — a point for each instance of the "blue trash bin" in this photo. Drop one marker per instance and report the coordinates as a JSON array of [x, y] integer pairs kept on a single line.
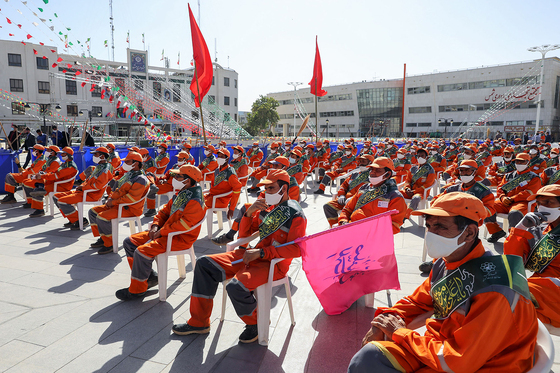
[[7, 165]]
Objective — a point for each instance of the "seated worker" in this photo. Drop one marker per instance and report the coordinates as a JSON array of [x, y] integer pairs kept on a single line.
[[480, 324], [239, 164], [498, 170], [119, 172], [224, 180], [436, 160], [552, 160], [340, 167], [162, 159], [538, 247], [114, 158], [279, 220], [164, 183], [348, 189], [402, 165], [368, 149], [182, 212], [379, 195], [334, 157], [95, 184], [296, 168], [468, 184], [187, 149], [280, 163], [262, 170], [551, 175], [417, 181], [536, 164], [286, 149], [483, 156], [131, 187], [38, 185], [209, 164], [12, 180], [255, 156], [311, 158], [150, 168], [512, 196], [451, 152]]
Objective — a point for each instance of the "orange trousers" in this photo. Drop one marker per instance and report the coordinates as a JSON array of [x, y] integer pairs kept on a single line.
[[493, 226], [546, 291], [100, 220], [65, 201], [12, 180]]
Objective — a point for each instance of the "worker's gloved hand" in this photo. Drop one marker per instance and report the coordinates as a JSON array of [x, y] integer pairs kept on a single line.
[[342, 200], [532, 219]]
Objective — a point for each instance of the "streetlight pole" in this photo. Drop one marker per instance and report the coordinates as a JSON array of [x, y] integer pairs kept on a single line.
[[446, 123], [327, 122], [543, 49], [295, 84]]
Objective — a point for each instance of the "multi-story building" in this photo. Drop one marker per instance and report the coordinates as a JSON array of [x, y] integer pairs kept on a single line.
[[501, 98], [32, 72]]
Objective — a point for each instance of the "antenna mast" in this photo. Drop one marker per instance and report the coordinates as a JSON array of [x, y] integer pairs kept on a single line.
[[112, 31], [199, 13]]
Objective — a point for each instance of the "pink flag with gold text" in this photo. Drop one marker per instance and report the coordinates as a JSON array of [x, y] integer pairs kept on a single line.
[[344, 263]]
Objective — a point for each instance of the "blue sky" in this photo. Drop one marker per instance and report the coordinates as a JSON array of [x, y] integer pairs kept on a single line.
[[271, 43]]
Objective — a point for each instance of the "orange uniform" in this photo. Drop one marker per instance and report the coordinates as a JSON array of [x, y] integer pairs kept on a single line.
[[13, 179], [224, 180], [419, 184], [162, 160], [478, 190], [115, 160], [369, 202], [537, 165], [207, 167], [348, 189], [402, 168], [241, 169], [491, 332], [255, 157], [438, 162]]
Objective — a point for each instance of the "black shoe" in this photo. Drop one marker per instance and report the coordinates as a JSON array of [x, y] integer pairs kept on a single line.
[[68, 225], [426, 267], [26, 205], [496, 236], [105, 250], [9, 198], [152, 280], [37, 213], [125, 295], [250, 334], [319, 191], [76, 225], [98, 243], [222, 240], [38, 192], [150, 212], [254, 190], [186, 329]]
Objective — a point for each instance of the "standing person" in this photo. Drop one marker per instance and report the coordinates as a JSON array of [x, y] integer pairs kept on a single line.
[[279, 221], [56, 136], [41, 138], [13, 138], [28, 144], [525, 138]]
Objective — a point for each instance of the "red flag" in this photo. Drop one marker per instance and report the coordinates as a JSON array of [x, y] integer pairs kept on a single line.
[[54, 65], [35, 52], [29, 36], [203, 63], [52, 50], [7, 19], [59, 59], [316, 82]]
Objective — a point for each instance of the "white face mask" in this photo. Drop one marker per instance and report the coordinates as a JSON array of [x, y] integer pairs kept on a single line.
[[96, 159], [553, 213], [421, 160], [533, 151], [363, 168], [467, 178], [553, 155], [433, 152], [521, 167], [273, 199], [452, 147], [126, 167], [145, 158], [348, 152], [273, 151], [377, 180], [36, 154], [292, 160], [400, 156], [235, 156], [508, 159], [47, 154], [467, 156], [64, 158], [221, 161], [206, 152], [441, 247], [177, 185], [160, 150], [180, 163]]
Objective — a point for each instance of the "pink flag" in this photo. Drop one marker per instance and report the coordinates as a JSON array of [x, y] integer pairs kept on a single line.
[[344, 263]]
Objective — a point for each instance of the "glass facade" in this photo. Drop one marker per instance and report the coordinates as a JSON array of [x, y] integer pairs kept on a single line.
[[380, 111]]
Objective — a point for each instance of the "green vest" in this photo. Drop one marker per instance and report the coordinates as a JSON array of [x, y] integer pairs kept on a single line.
[[544, 252], [184, 196]]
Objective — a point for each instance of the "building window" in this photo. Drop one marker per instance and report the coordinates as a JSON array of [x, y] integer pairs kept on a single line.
[[14, 59], [18, 108], [72, 110], [226, 82], [344, 113], [235, 102], [411, 124], [226, 100], [235, 83], [16, 85], [211, 99], [346, 96], [157, 90], [425, 124], [96, 111], [496, 123], [42, 63], [176, 114], [235, 116], [417, 90], [515, 123], [96, 91], [139, 85], [419, 109], [176, 93], [213, 80], [71, 88], [44, 87]]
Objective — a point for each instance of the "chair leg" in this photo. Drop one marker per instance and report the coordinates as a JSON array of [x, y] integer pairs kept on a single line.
[[193, 257], [181, 266], [289, 297], [51, 203], [264, 294], [209, 222], [115, 234], [484, 231], [224, 299], [158, 200], [370, 299], [161, 261], [80, 208], [220, 219]]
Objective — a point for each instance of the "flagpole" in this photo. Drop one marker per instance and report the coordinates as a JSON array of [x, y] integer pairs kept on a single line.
[[316, 116], [200, 104]]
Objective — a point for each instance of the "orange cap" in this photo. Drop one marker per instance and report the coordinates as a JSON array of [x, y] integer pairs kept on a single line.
[[456, 204], [134, 149], [187, 146], [39, 147], [183, 154], [133, 156], [349, 147], [274, 176], [468, 163], [54, 148], [67, 150], [381, 145], [548, 191], [111, 146], [297, 152], [101, 149], [383, 162], [402, 151], [223, 142], [508, 149], [223, 151], [163, 145], [555, 150], [523, 157], [239, 148], [256, 143], [340, 147], [210, 147], [281, 160], [274, 145], [310, 146], [189, 170], [144, 151], [368, 157]]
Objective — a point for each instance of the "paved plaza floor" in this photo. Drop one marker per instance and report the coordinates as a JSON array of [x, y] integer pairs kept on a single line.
[[58, 312]]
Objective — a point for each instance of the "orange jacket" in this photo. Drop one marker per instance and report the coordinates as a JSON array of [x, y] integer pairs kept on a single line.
[[255, 158], [34, 167], [521, 193], [494, 336], [227, 181], [67, 170], [132, 189], [538, 166], [345, 164], [161, 163], [183, 218], [392, 200], [439, 166], [115, 160], [478, 190], [402, 167], [288, 232], [98, 180], [352, 184], [422, 183], [293, 190], [208, 166], [149, 165], [241, 169], [322, 156]]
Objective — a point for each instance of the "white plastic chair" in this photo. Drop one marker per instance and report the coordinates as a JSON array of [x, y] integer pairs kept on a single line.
[[423, 202], [210, 213], [131, 220], [205, 179], [303, 186], [158, 198], [80, 206], [161, 261], [245, 187], [505, 221], [263, 294], [50, 200], [437, 184], [544, 351]]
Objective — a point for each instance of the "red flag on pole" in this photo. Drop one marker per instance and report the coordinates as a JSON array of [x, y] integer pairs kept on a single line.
[[203, 63], [316, 82]]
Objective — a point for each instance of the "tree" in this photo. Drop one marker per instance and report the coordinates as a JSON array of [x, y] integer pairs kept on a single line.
[[263, 115]]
